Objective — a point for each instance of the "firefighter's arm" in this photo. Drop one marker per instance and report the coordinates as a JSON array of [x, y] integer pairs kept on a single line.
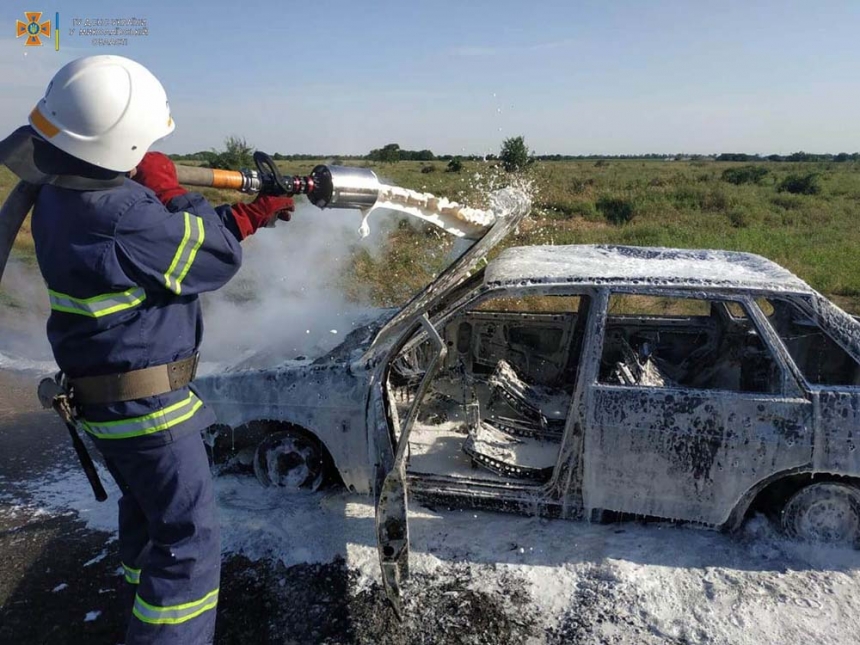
[[184, 253]]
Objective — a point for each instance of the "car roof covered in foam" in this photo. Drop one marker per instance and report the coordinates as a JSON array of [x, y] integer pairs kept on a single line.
[[638, 266]]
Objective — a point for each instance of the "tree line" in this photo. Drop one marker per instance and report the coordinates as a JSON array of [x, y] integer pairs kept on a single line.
[[514, 154]]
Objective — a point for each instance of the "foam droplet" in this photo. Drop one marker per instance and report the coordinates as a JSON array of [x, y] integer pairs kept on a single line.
[[364, 229]]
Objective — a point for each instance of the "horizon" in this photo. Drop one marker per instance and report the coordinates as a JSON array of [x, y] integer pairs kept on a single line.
[[582, 79], [652, 155]]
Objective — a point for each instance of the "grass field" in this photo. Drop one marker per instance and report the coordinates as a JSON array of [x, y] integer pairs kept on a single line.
[[685, 204]]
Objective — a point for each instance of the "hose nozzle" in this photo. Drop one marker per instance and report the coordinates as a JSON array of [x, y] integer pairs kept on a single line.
[[326, 186]]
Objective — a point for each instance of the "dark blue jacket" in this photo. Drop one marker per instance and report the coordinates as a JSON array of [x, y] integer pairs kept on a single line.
[[123, 275]]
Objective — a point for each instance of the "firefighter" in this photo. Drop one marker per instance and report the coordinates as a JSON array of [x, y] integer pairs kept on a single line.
[[124, 260]]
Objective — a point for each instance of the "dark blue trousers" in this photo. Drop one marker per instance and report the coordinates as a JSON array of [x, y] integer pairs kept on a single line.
[[169, 538]]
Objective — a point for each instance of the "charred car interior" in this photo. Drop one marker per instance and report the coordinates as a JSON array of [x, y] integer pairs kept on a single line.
[[498, 407]]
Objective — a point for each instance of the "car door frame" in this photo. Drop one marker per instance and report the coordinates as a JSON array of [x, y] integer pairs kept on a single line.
[[835, 406], [557, 497]]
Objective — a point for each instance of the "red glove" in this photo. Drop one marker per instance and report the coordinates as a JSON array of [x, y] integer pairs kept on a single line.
[[261, 212], [157, 172]]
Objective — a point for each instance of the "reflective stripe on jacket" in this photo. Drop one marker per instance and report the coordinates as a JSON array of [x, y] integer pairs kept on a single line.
[[123, 275]]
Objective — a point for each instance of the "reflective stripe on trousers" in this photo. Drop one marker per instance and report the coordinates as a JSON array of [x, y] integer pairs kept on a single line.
[[157, 421], [174, 614], [132, 576]]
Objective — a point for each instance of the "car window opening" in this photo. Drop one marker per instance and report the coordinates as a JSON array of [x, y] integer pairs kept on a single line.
[[819, 358], [699, 343]]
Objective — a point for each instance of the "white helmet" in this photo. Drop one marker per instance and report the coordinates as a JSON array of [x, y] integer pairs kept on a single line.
[[105, 110]]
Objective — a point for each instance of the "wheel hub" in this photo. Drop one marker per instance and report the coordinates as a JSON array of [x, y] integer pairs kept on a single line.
[[289, 461], [830, 520]]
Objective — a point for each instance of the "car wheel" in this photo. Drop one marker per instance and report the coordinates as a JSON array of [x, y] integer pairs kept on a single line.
[[290, 460], [828, 512]]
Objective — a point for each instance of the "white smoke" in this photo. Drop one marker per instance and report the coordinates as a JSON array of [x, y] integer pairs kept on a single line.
[[23, 314], [286, 301]]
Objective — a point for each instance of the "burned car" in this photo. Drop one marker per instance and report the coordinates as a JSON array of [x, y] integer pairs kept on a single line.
[[576, 381]]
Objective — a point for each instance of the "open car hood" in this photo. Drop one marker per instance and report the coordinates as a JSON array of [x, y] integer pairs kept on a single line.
[[511, 206]]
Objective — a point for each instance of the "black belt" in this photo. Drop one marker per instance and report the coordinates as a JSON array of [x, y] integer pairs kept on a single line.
[[136, 384]]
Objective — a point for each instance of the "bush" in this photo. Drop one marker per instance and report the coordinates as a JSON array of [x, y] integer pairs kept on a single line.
[[428, 169], [579, 186], [615, 209], [455, 165], [514, 154], [716, 200], [739, 218], [808, 184], [745, 175], [237, 154]]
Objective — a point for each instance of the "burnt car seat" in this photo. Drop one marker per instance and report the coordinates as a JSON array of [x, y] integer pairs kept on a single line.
[[540, 410]]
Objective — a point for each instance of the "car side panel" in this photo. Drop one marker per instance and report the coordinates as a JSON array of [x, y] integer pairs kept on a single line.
[[838, 440], [687, 454]]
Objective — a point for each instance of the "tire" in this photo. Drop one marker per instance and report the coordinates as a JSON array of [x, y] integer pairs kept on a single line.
[[828, 512], [290, 460]]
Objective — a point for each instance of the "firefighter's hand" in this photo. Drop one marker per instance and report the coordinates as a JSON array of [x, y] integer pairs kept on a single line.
[[157, 172], [264, 210]]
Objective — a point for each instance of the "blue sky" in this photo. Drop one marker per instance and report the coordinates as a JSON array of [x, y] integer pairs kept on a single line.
[[572, 77]]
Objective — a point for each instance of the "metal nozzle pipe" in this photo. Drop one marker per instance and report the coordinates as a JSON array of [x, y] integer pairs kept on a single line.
[[344, 187]]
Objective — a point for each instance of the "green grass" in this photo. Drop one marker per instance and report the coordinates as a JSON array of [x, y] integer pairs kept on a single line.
[[685, 204], [656, 203]]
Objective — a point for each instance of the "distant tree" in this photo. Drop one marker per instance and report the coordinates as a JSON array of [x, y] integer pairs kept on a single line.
[[455, 165], [389, 153], [205, 156], [808, 156], [736, 156], [842, 157], [236, 154], [514, 154]]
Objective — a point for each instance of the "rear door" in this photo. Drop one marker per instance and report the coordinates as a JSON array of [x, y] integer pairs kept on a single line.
[[685, 440]]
